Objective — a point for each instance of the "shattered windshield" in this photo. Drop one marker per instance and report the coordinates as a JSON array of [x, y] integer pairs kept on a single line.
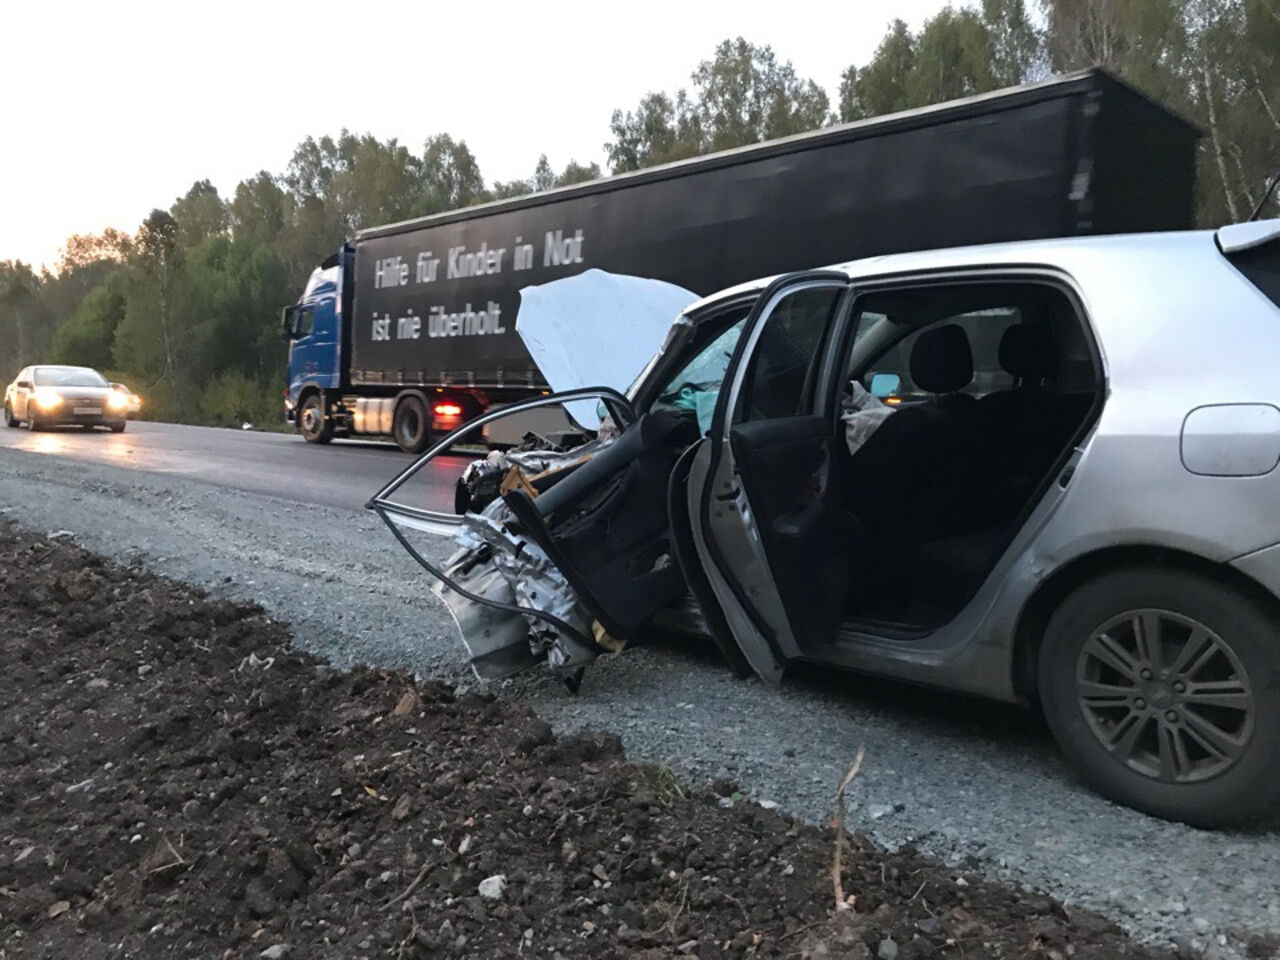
[[697, 384]]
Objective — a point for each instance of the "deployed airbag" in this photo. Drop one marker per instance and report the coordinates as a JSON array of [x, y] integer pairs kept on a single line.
[[596, 329]]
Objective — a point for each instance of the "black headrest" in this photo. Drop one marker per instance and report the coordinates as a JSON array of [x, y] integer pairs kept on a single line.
[[941, 360], [1027, 351]]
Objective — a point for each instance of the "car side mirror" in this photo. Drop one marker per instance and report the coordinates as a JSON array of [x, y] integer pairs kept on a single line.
[[23, 384], [885, 384], [286, 322]]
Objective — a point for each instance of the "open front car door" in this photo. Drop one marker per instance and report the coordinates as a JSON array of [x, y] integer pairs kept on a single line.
[[563, 552]]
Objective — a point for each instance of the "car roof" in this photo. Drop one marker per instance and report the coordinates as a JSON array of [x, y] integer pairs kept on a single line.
[[1050, 251], [1054, 251]]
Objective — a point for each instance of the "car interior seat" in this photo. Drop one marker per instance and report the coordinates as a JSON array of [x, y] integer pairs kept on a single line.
[[919, 476]]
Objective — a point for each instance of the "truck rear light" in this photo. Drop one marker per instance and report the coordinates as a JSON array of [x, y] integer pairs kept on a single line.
[[447, 410]]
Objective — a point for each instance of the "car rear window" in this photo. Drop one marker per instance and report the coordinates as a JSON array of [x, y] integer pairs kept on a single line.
[[1262, 266]]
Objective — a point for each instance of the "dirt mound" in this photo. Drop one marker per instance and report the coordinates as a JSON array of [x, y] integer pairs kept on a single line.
[[176, 780]]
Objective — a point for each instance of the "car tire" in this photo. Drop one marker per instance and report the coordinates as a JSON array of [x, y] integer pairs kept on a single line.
[[33, 424], [9, 419], [314, 426], [1136, 718], [116, 427], [410, 426]]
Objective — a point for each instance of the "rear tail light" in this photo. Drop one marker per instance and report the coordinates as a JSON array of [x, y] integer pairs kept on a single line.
[[447, 410]]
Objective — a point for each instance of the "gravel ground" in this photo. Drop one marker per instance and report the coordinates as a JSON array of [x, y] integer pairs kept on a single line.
[[976, 785], [183, 781]]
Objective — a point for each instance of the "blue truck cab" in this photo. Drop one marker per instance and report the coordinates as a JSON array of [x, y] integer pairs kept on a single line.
[[315, 331]]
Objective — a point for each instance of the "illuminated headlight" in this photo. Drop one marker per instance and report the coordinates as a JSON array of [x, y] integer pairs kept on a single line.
[[47, 397], [117, 401]]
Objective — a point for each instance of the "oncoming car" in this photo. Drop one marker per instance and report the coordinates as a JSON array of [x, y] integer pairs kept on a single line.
[[46, 395], [1074, 504]]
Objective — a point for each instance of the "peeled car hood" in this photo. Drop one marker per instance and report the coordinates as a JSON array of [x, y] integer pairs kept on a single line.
[[597, 329]]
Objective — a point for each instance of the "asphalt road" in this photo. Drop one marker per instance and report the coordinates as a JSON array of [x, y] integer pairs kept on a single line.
[[342, 474]]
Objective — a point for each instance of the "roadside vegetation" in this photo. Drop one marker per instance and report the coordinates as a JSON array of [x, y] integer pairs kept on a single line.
[[185, 308]]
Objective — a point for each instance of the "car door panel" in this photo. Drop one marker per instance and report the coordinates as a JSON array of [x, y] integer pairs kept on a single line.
[[606, 527], [766, 502], [743, 588], [789, 470], [22, 395]]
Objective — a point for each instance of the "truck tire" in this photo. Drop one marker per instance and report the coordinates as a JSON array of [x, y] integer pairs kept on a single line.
[[314, 426], [1159, 685], [411, 427]]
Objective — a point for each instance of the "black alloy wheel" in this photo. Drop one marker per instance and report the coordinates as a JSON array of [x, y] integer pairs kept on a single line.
[[1162, 686], [1165, 695]]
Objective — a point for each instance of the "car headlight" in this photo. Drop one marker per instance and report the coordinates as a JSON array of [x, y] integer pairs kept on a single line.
[[117, 401], [47, 397]]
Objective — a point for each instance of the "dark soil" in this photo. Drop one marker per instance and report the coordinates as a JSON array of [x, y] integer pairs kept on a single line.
[[176, 780]]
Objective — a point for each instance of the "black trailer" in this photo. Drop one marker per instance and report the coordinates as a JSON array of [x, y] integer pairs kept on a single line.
[[433, 301]]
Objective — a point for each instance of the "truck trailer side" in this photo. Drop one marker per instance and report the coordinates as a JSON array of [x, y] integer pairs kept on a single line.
[[410, 329]]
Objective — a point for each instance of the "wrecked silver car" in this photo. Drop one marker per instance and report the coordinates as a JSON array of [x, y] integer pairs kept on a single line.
[[1037, 472]]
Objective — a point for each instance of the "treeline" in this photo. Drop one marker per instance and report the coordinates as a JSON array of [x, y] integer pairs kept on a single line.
[[185, 308]]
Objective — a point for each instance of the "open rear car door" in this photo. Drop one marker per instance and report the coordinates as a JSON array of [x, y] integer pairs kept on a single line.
[[763, 493]]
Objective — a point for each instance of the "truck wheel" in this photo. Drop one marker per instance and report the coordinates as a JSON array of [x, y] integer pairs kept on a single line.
[[1159, 685], [314, 426], [411, 428]]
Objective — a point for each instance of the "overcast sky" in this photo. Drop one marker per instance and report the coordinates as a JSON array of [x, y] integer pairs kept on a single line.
[[112, 109]]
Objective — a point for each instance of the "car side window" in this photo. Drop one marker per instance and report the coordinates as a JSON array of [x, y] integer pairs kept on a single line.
[[778, 380], [697, 385], [984, 328], [305, 321]]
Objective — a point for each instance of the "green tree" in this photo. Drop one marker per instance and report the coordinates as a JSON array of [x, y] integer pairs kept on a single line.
[[450, 175], [661, 129], [200, 213], [146, 337], [544, 178], [885, 84], [742, 95], [88, 337], [24, 326], [1144, 41], [506, 189], [575, 172], [1017, 48], [953, 60], [257, 212]]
